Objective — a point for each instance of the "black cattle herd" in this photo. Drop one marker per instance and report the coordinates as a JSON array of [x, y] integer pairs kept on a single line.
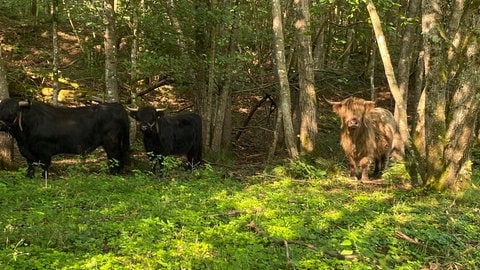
[[42, 131]]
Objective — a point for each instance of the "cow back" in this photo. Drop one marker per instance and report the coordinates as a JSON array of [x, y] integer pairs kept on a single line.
[[178, 134]]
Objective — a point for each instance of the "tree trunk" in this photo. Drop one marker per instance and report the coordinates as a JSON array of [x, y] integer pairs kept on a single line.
[[285, 106], [408, 46], [451, 86], [387, 62], [464, 53], [307, 95], [111, 83], [56, 88], [6, 142], [134, 51], [435, 92], [319, 48], [222, 120]]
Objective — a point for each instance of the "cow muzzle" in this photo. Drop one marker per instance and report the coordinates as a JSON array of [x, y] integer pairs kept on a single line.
[[147, 126], [353, 123]]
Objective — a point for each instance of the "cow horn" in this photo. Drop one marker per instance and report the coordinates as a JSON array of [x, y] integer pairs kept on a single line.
[[130, 109], [331, 102], [161, 109], [24, 103]]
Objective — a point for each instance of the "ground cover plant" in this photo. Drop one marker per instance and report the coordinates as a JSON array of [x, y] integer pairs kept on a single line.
[[295, 215]]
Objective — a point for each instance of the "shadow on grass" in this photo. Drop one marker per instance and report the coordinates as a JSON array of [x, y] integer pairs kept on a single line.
[[202, 219]]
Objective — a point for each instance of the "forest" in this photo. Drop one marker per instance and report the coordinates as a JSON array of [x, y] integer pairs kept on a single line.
[[273, 190]]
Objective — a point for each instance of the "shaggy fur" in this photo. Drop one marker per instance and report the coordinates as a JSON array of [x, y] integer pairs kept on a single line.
[[367, 134]]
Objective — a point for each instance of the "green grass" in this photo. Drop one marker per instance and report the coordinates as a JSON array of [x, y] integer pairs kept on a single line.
[[288, 217]]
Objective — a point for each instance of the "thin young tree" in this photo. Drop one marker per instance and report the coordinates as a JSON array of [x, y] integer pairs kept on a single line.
[[388, 67], [307, 95], [285, 106], [56, 87], [111, 80]]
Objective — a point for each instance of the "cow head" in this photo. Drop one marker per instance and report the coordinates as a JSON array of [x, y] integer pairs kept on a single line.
[[352, 110], [146, 116], [11, 113]]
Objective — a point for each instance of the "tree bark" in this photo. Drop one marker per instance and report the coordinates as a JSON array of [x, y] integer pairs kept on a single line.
[[285, 106], [56, 88], [111, 79], [387, 64], [408, 46], [435, 92], [6, 141], [307, 95], [464, 53]]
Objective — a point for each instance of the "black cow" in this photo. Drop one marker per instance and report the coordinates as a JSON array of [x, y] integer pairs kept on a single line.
[[42, 131], [163, 135]]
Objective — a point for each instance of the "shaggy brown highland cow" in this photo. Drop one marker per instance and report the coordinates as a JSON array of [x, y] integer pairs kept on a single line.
[[368, 134]]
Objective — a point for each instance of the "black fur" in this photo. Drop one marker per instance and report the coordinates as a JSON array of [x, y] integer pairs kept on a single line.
[[179, 134], [42, 131]]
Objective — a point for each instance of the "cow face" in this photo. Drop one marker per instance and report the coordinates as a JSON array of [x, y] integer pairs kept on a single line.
[[10, 112], [352, 110], [146, 117]]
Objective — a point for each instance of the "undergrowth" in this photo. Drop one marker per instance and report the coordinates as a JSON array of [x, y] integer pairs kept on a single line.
[[295, 216]]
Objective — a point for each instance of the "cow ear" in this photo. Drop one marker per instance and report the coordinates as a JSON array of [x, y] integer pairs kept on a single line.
[[369, 105], [336, 106]]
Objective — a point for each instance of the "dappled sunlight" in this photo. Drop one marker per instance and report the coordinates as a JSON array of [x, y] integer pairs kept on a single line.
[[203, 219]]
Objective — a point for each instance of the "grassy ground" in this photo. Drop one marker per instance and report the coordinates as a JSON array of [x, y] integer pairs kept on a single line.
[[292, 216]]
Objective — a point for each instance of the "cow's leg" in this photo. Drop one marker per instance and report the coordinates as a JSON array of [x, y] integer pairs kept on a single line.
[[114, 156], [378, 166], [364, 165], [194, 158], [353, 168], [154, 160], [45, 164], [30, 168]]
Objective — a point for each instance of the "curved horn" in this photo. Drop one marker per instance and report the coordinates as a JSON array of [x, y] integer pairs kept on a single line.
[[24, 103], [130, 109], [331, 102], [161, 109]]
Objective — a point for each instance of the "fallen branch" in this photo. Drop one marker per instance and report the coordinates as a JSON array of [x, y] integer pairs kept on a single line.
[[407, 238], [266, 98]]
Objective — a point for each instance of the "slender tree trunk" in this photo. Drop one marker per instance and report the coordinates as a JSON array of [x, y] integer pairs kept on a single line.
[[371, 70], [6, 141], [348, 49], [209, 97], [134, 52], [387, 63], [111, 79], [221, 123], [56, 88], [319, 48], [176, 26], [435, 92], [307, 95], [408, 46], [285, 106]]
